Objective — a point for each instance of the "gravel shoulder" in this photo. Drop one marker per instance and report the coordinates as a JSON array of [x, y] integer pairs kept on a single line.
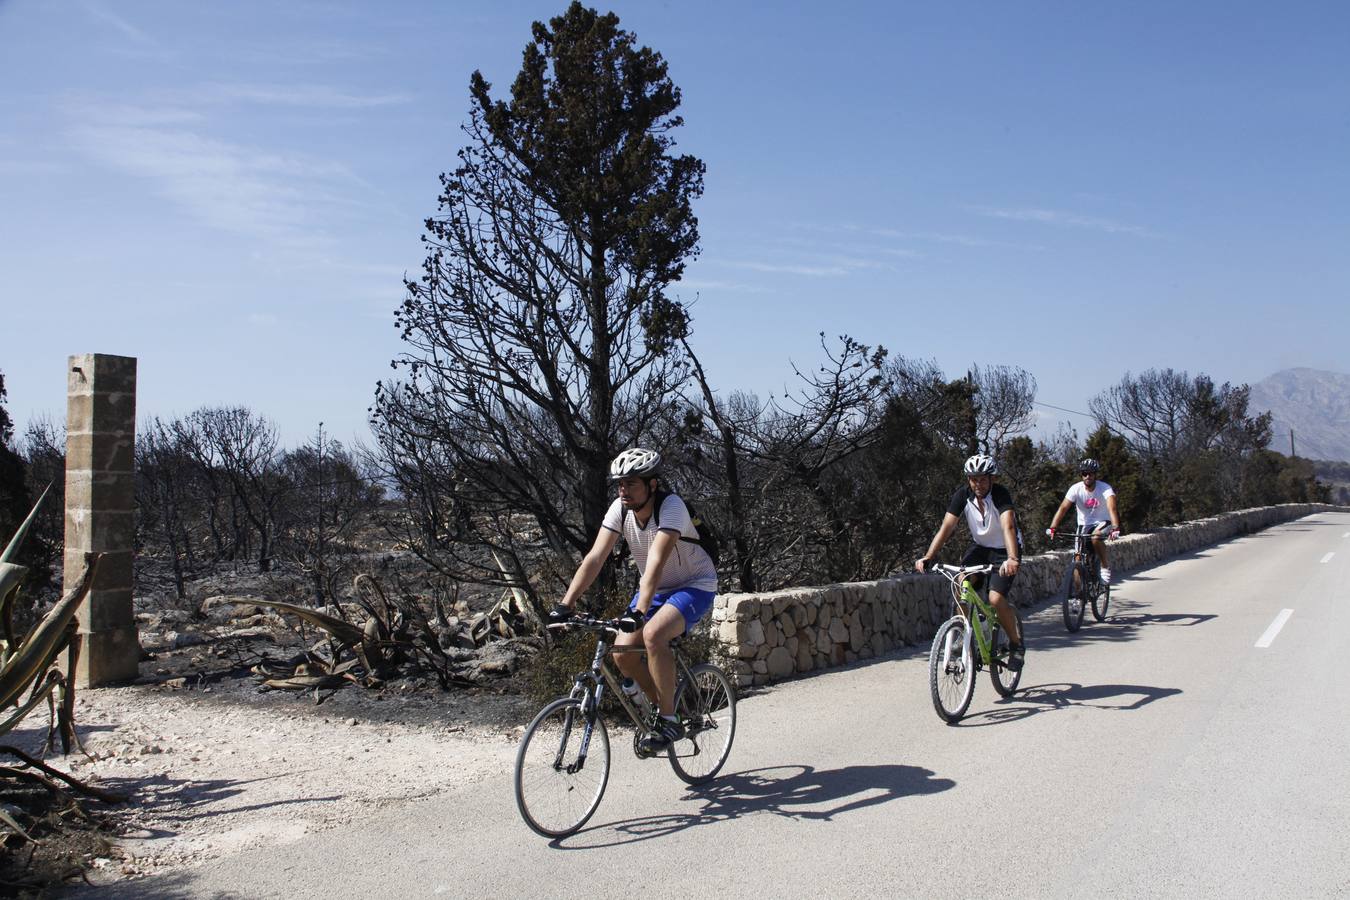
[[217, 769]]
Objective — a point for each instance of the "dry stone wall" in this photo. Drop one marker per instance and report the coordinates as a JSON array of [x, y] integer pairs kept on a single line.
[[767, 637]]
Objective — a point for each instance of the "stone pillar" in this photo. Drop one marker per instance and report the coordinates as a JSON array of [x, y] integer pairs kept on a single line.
[[100, 510]]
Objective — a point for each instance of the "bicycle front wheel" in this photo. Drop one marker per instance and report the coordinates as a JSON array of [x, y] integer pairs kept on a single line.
[[706, 702], [1006, 679], [1073, 591], [951, 677], [562, 768]]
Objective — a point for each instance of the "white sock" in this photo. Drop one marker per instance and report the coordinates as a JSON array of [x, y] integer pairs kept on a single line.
[[1106, 576]]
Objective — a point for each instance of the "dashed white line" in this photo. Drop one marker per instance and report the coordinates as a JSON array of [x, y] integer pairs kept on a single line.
[[1347, 534], [1269, 637], [1328, 557]]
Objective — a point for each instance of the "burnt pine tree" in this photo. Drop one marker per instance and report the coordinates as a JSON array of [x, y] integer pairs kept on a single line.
[[540, 335]]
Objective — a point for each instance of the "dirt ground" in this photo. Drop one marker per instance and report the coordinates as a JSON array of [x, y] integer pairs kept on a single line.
[[213, 766]]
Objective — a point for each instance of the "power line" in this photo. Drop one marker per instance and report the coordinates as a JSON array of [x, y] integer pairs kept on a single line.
[[1063, 409]]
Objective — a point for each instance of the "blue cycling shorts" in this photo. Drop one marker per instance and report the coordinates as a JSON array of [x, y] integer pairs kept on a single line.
[[693, 604]]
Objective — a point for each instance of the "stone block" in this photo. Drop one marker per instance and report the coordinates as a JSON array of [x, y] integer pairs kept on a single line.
[[789, 627], [106, 611], [779, 663], [101, 451], [104, 532], [89, 490], [108, 657], [114, 570]]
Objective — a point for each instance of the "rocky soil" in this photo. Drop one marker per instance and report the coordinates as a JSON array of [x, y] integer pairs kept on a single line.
[[211, 765]]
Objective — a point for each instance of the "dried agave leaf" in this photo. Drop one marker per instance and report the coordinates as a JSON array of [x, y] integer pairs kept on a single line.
[[345, 632], [42, 645], [305, 682]]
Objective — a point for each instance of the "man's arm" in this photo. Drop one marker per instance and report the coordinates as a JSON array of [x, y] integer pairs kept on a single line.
[[590, 566], [949, 523], [662, 546], [1009, 522], [1059, 513], [1114, 513]]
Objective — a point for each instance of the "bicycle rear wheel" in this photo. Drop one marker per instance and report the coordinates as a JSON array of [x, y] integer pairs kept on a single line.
[[1006, 679], [1072, 597], [706, 702], [951, 677], [557, 788]]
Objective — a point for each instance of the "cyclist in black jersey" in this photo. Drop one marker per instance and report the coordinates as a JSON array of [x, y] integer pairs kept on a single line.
[[988, 511]]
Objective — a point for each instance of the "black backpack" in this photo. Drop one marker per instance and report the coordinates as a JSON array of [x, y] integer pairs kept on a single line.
[[707, 535]]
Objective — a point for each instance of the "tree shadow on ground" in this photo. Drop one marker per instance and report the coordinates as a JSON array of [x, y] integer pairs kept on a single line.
[[794, 791], [1044, 698], [181, 799]]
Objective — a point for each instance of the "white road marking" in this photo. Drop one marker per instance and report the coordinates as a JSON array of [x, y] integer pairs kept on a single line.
[[1347, 534], [1269, 637], [1328, 557]]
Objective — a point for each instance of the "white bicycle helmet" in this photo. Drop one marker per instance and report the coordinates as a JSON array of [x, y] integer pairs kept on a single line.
[[636, 461], [980, 464], [1089, 465]]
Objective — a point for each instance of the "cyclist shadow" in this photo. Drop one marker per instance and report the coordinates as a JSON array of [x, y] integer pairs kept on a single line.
[[1135, 620], [795, 791], [1043, 698]]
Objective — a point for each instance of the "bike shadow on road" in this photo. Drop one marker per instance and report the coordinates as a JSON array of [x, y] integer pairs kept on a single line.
[[1045, 629], [1042, 698], [796, 791]]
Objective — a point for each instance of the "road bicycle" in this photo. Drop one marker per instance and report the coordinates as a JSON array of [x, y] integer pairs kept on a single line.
[[959, 651], [1082, 585], [562, 765]]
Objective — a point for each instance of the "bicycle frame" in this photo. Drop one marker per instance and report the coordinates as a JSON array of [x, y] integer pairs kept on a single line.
[[590, 685], [965, 599]]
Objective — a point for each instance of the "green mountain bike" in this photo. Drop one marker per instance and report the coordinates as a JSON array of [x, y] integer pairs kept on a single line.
[[562, 765], [969, 641]]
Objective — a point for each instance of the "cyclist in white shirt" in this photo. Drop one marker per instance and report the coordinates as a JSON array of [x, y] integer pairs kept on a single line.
[[995, 539], [677, 586], [1096, 503]]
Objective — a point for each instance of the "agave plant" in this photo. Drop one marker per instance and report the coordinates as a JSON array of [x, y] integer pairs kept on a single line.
[[29, 662]]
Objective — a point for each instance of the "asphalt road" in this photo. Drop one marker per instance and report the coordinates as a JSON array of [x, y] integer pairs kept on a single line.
[[1161, 753]]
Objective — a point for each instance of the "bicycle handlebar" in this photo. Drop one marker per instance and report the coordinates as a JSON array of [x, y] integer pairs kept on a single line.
[[954, 573], [592, 623]]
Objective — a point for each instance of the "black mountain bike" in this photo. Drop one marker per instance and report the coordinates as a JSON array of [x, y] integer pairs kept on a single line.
[[1082, 584], [562, 765]]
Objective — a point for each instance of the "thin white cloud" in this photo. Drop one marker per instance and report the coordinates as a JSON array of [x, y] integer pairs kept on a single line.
[[261, 320], [734, 287], [897, 234], [790, 269], [107, 16], [1065, 219], [314, 96], [277, 197]]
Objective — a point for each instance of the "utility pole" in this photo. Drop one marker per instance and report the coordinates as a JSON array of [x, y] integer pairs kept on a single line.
[[1292, 454]]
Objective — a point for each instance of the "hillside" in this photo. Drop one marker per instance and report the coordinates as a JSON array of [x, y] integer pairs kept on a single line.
[[1314, 404]]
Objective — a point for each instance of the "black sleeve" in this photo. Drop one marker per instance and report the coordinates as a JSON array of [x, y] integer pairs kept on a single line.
[[959, 500], [1002, 499]]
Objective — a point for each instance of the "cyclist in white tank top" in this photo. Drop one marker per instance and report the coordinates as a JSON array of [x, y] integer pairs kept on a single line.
[[677, 586]]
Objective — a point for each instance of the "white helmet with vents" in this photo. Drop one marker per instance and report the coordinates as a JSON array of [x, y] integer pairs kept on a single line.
[[636, 461], [980, 464]]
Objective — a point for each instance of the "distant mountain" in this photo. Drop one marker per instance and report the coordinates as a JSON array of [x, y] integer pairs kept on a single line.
[[1315, 404]]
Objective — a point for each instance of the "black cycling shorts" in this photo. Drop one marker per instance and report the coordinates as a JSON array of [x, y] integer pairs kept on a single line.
[[981, 556]]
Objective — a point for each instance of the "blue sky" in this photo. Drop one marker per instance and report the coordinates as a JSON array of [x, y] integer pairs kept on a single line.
[[232, 192]]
